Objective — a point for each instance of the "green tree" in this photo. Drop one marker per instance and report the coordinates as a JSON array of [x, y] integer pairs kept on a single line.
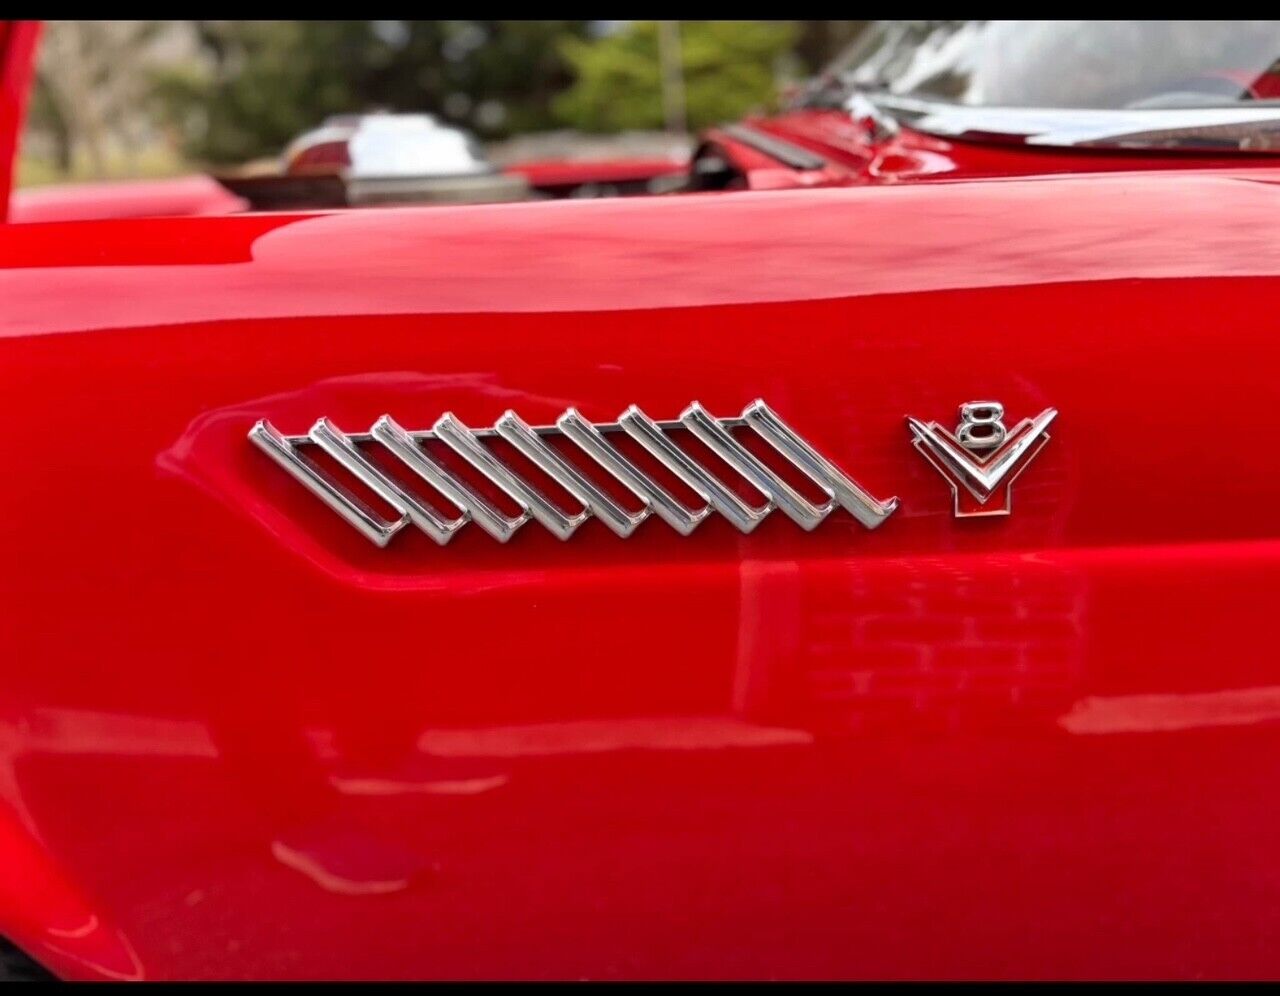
[[730, 68], [264, 82]]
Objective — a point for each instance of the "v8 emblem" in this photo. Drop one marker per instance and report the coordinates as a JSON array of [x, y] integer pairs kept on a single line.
[[981, 459]]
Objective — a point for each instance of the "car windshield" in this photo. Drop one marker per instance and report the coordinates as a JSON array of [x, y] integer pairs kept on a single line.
[[1061, 64]]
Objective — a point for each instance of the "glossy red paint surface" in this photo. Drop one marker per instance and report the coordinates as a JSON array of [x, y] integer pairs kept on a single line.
[[1041, 746], [17, 63], [179, 196]]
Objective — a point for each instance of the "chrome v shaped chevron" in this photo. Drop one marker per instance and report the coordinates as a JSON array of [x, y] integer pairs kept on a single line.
[[715, 433], [982, 477]]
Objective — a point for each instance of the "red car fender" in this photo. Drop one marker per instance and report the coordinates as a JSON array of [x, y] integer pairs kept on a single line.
[[17, 67]]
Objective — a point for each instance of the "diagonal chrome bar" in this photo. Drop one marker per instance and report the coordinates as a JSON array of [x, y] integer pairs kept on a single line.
[[607, 428], [467, 500], [513, 429], [321, 483], [707, 486], [330, 438], [862, 506], [461, 440], [719, 440], [644, 487], [592, 439]]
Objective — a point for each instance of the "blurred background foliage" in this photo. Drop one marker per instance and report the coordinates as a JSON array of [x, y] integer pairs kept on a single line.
[[729, 68], [138, 98]]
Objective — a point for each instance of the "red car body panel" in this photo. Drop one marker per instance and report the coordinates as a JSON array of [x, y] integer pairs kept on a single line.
[[1038, 746], [912, 156], [17, 65], [179, 196]]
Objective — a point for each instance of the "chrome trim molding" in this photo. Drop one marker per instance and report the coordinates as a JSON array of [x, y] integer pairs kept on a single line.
[[1190, 129], [717, 434], [781, 150]]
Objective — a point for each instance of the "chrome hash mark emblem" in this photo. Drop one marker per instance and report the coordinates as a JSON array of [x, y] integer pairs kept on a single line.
[[981, 459], [592, 439]]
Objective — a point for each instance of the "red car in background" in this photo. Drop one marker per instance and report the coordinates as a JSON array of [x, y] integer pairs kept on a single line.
[[316, 665]]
